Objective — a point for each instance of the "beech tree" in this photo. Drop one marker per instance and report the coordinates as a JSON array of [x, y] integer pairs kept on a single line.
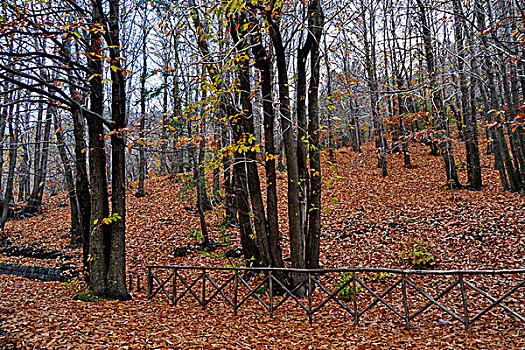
[[47, 22]]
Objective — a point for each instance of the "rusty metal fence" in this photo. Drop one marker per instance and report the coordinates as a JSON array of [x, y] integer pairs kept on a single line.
[[464, 295]]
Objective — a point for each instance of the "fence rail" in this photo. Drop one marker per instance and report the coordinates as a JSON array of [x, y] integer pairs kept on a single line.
[[346, 288]]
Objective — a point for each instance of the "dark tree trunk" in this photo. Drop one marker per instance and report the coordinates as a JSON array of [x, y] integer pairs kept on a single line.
[[198, 175], [76, 229], [302, 135], [468, 106], [230, 218], [81, 174], [143, 165], [441, 121], [100, 234], [245, 131], [498, 144], [82, 182], [313, 236], [34, 201], [371, 75], [264, 65], [297, 239], [116, 275], [13, 152], [240, 181]]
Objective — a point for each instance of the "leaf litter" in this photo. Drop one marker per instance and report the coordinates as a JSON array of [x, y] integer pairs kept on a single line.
[[366, 225]]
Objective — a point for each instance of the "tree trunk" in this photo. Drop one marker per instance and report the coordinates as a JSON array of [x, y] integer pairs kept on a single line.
[[76, 229], [441, 121], [143, 165], [100, 233], [81, 174], [13, 152], [313, 236], [468, 106], [240, 181], [230, 218], [297, 239], [116, 275], [371, 72], [24, 184], [264, 65], [198, 175], [40, 161], [245, 137], [499, 144]]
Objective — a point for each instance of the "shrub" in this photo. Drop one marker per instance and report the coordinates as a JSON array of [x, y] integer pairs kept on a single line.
[[417, 253], [348, 291]]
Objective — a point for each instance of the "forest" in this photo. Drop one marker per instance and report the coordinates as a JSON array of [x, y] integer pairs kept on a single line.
[[358, 154]]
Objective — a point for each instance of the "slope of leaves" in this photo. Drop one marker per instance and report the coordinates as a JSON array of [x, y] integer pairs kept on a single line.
[[366, 220]]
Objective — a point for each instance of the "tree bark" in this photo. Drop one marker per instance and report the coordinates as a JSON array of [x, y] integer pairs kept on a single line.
[[100, 234], [468, 105], [264, 65], [297, 239], [76, 229], [313, 236], [143, 165], [116, 275]]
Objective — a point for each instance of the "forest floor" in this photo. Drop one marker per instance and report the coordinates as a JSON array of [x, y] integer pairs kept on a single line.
[[366, 221]]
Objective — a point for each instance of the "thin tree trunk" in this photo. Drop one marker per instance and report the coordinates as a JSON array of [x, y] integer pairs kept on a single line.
[[264, 65], [441, 121], [230, 218], [24, 184], [35, 199], [76, 229], [13, 152], [313, 236], [370, 67], [297, 239], [499, 144], [468, 106], [143, 165], [198, 176], [246, 137]]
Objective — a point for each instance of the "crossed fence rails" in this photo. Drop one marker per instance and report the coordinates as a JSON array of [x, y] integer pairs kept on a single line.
[[234, 281]]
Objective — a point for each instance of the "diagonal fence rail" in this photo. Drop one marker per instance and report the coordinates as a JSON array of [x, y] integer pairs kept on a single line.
[[356, 291]]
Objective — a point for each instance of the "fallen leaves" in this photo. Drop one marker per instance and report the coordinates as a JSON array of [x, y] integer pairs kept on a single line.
[[366, 227]]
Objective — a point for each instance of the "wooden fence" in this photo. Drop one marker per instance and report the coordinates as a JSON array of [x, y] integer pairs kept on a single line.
[[406, 293]]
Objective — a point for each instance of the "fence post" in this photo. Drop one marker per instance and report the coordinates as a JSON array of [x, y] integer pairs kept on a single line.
[[464, 297], [309, 298], [174, 301], [270, 286], [235, 288], [405, 301], [130, 286], [354, 294], [203, 289], [150, 283]]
